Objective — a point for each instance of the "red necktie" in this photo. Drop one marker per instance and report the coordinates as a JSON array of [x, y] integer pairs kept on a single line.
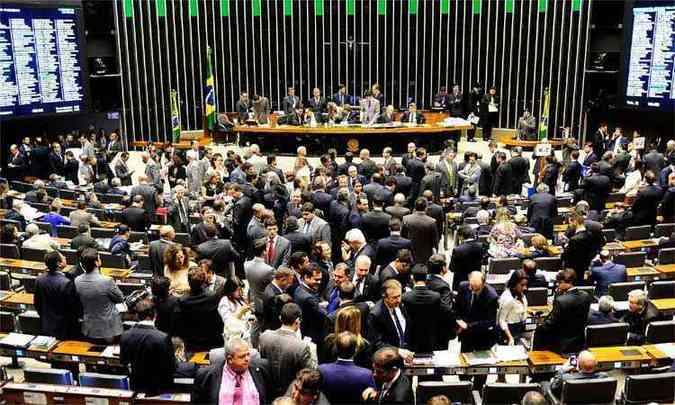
[[270, 251]]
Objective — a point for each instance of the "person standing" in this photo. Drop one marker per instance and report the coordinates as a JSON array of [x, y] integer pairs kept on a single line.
[[489, 112]]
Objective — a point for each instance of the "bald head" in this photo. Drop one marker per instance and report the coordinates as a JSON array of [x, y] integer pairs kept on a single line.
[[586, 362], [476, 281]]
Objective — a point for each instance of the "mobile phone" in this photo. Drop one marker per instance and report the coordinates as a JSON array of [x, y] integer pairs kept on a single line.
[[573, 360]]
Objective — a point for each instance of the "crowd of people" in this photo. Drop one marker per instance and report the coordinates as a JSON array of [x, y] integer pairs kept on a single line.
[[321, 283]]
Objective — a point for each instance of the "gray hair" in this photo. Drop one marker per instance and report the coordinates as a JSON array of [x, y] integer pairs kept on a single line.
[[582, 208], [483, 217], [32, 229], [639, 295], [606, 304], [363, 259], [355, 235], [234, 343], [399, 198], [542, 188]]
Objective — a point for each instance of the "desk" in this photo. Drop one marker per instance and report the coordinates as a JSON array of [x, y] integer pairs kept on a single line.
[[614, 247], [36, 268], [75, 351], [639, 244], [507, 367], [665, 305], [666, 270], [28, 393], [644, 273], [172, 399], [19, 301], [621, 357], [544, 361]]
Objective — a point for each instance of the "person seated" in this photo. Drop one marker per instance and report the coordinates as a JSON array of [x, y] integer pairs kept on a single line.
[[605, 312], [387, 116], [119, 244], [521, 221], [10, 235], [585, 369], [605, 272], [115, 189], [38, 194], [640, 313], [535, 278], [484, 226], [666, 243], [505, 236], [412, 116], [14, 213], [82, 216], [38, 241], [54, 216], [539, 248]]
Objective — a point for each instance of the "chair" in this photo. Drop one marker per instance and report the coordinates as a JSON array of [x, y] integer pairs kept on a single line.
[[111, 381], [457, 392], [631, 259], [7, 322], [66, 231], [549, 263], [638, 232], [589, 391], [128, 288], [29, 322], [138, 236], [664, 230], [471, 221], [611, 334], [65, 211], [102, 233], [661, 289], [48, 376], [17, 224], [537, 296], [647, 388], [660, 332], [588, 289], [619, 291], [114, 261], [504, 265], [35, 255], [40, 207], [183, 239], [70, 255], [144, 265], [44, 226], [9, 251], [27, 281], [110, 198], [500, 393], [666, 256], [68, 194], [610, 234], [52, 192], [5, 281], [564, 201], [616, 197], [20, 186]]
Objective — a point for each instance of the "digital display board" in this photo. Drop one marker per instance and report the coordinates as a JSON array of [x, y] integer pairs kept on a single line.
[[41, 68], [649, 62]]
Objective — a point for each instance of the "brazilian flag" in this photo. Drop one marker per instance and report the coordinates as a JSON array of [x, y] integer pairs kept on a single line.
[[210, 94], [543, 122], [175, 117]]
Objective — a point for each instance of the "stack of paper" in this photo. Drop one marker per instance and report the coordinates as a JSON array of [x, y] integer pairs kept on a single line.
[[478, 358], [667, 348], [446, 358], [43, 342], [509, 353], [17, 340], [111, 351]]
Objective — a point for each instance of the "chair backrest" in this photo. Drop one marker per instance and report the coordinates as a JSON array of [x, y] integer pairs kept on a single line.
[[638, 232], [631, 259], [588, 289], [70, 255], [589, 391], [616, 197], [564, 201], [504, 265], [183, 239], [537, 296], [454, 391], [42, 207], [20, 186], [619, 291], [17, 224], [128, 288], [103, 233], [611, 334], [99, 213], [114, 261], [500, 393], [661, 289], [120, 382], [138, 236], [66, 231], [9, 251], [610, 234], [53, 192], [5, 281], [29, 322], [36, 255], [641, 389], [549, 263], [110, 198], [660, 332], [44, 226], [471, 221], [7, 322], [48, 376], [27, 281], [68, 194], [664, 230], [666, 256], [65, 211]]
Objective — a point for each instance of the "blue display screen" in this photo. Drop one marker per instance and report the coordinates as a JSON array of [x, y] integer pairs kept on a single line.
[[40, 60]]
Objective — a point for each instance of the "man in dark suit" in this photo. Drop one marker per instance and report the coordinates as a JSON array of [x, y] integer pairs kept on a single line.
[[541, 211], [300, 242], [220, 251], [366, 285], [149, 352], [412, 116], [290, 102], [416, 170], [503, 182], [136, 217], [486, 177], [466, 257], [122, 171], [388, 321], [245, 377], [591, 156], [421, 229], [342, 97], [563, 329], [399, 269], [198, 322], [278, 248], [55, 299], [436, 282], [600, 139], [573, 173], [476, 310], [243, 106], [346, 294], [422, 304], [179, 212], [387, 248], [579, 250], [596, 188], [274, 297], [585, 370], [393, 386], [343, 381], [521, 169], [307, 297], [435, 211], [375, 223], [56, 160], [667, 206], [641, 311], [317, 103], [158, 247], [647, 202], [403, 181], [606, 272]]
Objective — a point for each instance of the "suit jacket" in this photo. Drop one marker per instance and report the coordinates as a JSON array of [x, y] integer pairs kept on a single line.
[[156, 252], [397, 211], [56, 302], [314, 318], [319, 229], [561, 377], [541, 211], [400, 392], [638, 321], [56, 163], [605, 274], [375, 225], [198, 322], [149, 196], [259, 274], [563, 329], [286, 354], [596, 190], [79, 217], [282, 252], [421, 229], [654, 161], [370, 290], [481, 317], [137, 219], [300, 242], [122, 172], [667, 206], [344, 382], [271, 307], [485, 180], [242, 109], [521, 172], [387, 248], [317, 106], [180, 223], [416, 171], [403, 185], [289, 103], [419, 118], [390, 272], [220, 251], [646, 204], [150, 353], [98, 295], [449, 177], [382, 329], [422, 304], [572, 175], [206, 388], [578, 253], [503, 182], [70, 169]]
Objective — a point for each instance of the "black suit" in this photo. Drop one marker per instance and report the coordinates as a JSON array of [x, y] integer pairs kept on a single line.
[[578, 253], [405, 117], [422, 230], [654, 161], [503, 184], [56, 163], [400, 392], [390, 272], [381, 328], [137, 218], [646, 204], [521, 172], [480, 316], [375, 225], [387, 249], [596, 190], [313, 317], [300, 242], [289, 103], [198, 321], [416, 171], [572, 175], [563, 329], [404, 184], [242, 109], [540, 213], [220, 251], [667, 206], [206, 388], [322, 200], [57, 304], [423, 304], [318, 106], [156, 252], [271, 307], [370, 290], [466, 258], [152, 359]]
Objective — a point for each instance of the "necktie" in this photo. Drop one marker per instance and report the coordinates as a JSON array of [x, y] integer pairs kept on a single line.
[[306, 227], [359, 283], [237, 397], [181, 209], [473, 297], [399, 328], [270, 251]]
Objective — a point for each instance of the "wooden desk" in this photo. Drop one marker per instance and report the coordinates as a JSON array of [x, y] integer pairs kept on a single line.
[[350, 130], [37, 268], [618, 357], [19, 301], [543, 309], [656, 353], [642, 273], [520, 367], [614, 247], [666, 270], [200, 358], [28, 393], [544, 361], [75, 351], [665, 305], [172, 399], [639, 244]]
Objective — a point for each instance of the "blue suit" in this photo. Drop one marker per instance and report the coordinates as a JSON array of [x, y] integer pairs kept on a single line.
[[343, 381], [606, 274]]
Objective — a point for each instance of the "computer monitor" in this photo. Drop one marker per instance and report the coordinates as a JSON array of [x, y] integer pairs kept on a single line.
[[120, 382], [48, 376]]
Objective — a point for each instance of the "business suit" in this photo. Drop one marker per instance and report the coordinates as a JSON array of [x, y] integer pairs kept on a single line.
[[646, 204], [271, 307], [56, 163], [561, 377], [578, 253], [300, 242], [387, 249], [389, 272], [400, 392], [289, 104], [281, 253], [449, 177], [156, 252], [572, 175], [149, 194], [563, 329], [382, 330], [198, 322], [418, 118], [242, 212], [206, 388], [98, 295], [122, 172], [403, 184], [480, 315], [370, 109], [423, 304], [82, 241], [416, 171], [344, 382], [259, 274], [503, 182], [179, 214], [286, 354], [431, 181], [221, 252], [667, 206], [596, 189], [150, 353], [540, 213], [317, 105], [421, 229], [605, 274], [654, 161], [521, 172], [136, 218], [375, 225], [314, 318], [318, 229], [56, 302], [342, 99], [242, 109], [367, 289], [79, 217], [397, 211], [152, 172]]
